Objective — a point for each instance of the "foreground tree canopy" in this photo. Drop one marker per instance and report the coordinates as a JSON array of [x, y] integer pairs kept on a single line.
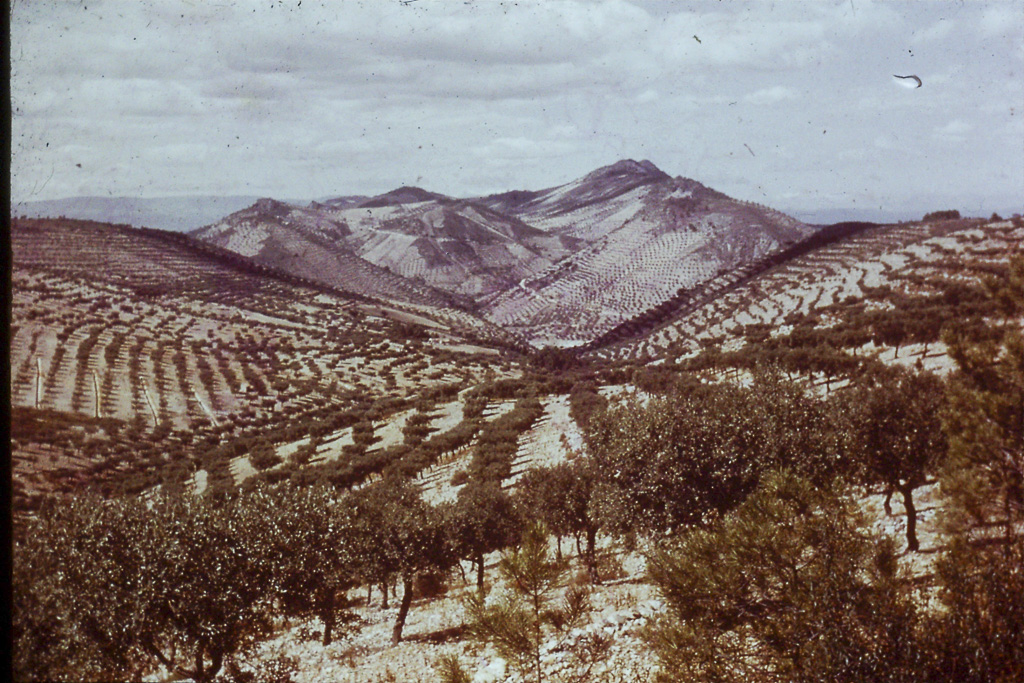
[[790, 587], [107, 589], [681, 459]]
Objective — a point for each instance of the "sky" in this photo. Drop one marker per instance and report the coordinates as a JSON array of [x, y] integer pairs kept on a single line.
[[790, 103]]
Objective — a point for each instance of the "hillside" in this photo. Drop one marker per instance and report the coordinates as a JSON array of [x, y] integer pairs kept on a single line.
[[453, 245], [135, 352], [879, 277], [648, 238], [310, 242], [408, 244], [179, 214]]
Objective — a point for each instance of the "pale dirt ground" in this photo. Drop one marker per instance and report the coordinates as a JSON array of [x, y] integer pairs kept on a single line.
[[620, 609]]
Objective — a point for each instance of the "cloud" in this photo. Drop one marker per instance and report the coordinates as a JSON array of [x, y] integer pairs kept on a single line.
[[1002, 19], [647, 96], [954, 131], [359, 96], [771, 95], [937, 32]]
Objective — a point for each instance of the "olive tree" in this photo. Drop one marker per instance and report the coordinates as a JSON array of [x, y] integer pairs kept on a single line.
[[398, 535], [897, 434], [314, 552], [787, 587], [108, 589], [483, 521], [683, 459], [560, 496], [213, 578], [81, 592]]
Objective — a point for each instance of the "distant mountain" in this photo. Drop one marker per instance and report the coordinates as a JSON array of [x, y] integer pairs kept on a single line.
[[337, 202], [166, 213], [562, 266], [409, 244], [597, 187], [455, 245], [403, 195], [647, 237], [311, 242]]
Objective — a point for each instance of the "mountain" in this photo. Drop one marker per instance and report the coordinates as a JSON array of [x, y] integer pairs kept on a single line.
[[596, 188], [455, 245], [166, 213], [310, 242], [560, 266], [409, 244], [648, 237], [403, 195]]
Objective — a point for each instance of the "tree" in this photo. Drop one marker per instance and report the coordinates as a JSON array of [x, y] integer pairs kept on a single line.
[[518, 621], [897, 434], [399, 535], [985, 415], [978, 633], [787, 587], [686, 458], [106, 589], [560, 496], [78, 593], [483, 521], [667, 464], [313, 551], [944, 215], [213, 577]]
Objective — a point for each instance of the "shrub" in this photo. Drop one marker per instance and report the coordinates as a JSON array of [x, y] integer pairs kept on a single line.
[[518, 622]]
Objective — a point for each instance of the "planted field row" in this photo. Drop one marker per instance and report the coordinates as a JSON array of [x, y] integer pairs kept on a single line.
[[911, 260]]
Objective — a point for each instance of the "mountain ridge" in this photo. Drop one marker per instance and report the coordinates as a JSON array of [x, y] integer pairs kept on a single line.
[[561, 265]]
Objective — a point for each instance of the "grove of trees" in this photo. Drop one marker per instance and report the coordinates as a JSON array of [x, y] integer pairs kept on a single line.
[[745, 499]]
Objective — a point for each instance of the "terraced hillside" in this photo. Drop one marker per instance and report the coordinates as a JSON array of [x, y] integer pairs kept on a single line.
[[409, 244], [144, 362], [454, 245], [888, 287], [142, 356]]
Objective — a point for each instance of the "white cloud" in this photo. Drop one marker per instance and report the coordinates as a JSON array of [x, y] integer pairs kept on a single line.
[[1002, 19], [937, 32], [954, 131], [647, 96], [765, 96]]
